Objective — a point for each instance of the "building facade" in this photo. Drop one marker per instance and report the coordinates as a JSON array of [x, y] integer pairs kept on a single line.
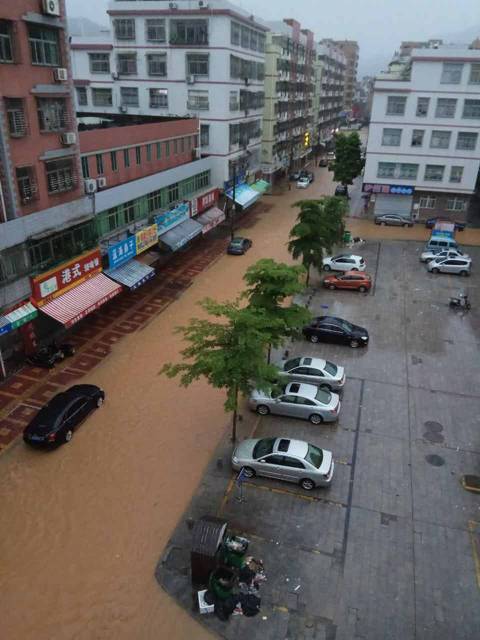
[[351, 51], [423, 153], [330, 79]]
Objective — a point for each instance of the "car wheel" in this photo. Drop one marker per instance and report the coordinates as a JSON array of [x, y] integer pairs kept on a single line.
[[354, 344], [263, 410], [248, 472], [362, 289], [332, 287], [307, 484], [68, 435], [313, 338], [354, 269], [326, 267], [315, 418], [99, 401], [435, 270], [464, 273]]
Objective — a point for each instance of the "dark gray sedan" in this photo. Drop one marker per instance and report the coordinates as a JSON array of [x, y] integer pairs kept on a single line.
[[394, 220]]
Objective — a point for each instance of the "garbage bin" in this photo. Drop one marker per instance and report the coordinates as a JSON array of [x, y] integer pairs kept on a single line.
[[207, 538], [347, 237]]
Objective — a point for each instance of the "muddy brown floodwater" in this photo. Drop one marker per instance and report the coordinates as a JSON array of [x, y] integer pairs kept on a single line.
[[82, 527]]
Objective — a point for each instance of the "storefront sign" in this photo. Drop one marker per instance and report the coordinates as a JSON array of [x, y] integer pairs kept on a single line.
[[240, 178], [53, 283], [207, 200], [393, 189], [122, 252], [146, 238], [169, 219]]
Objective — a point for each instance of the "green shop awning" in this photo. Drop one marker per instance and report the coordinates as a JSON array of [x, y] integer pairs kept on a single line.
[[17, 317], [261, 186]]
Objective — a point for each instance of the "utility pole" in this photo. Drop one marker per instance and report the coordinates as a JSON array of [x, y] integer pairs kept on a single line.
[[233, 208]]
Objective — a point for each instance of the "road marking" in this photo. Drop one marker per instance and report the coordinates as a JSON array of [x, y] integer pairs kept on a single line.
[[255, 426], [475, 541], [288, 492], [225, 496]]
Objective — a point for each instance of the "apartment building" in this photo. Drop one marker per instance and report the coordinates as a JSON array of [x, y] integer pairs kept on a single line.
[[423, 153], [289, 94], [187, 58], [351, 51], [330, 79]]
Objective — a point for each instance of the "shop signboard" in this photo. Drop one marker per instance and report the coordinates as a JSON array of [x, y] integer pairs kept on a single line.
[[122, 252], [207, 200], [146, 238], [68, 275], [388, 189], [170, 219]]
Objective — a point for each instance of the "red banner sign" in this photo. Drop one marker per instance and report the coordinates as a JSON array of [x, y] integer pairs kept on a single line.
[[207, 200], [53, 283]]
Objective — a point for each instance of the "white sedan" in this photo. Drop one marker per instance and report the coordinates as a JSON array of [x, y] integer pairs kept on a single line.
[[317, 371], [303, 183], [427, 256], [344, 262]]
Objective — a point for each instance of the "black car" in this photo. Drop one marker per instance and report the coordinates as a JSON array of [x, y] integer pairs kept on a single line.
[[330, 329], [323, 162], [238, 246], [55, 423], [431, 222], [341, 190]]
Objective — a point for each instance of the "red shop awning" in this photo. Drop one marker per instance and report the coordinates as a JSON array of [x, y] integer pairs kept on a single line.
[[82, 300]]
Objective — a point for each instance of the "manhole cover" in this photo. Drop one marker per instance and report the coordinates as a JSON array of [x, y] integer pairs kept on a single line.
[[434, 460], [431, 425], [433, 437]]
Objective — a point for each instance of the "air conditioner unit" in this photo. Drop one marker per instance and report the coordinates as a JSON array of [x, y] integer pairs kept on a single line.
[[60, 75], [190, 79], [101, 183], [173, 5], [123, 108], [90, 185], [115, 75], [202, 4], [68, 138], [197, 152], [51, 7]]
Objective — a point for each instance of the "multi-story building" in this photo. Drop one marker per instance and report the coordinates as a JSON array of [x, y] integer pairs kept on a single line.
[[289, 95], [330, 78], [185, 58], [350, 49], [423, 153]]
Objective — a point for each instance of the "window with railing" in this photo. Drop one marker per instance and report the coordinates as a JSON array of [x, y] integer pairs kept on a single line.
[[427, 202], [440, 139], [155, 30], [197, 100], [234, 103], [417, 137], [101, 97], [157, 64], [467, 140], [52, 114], [61, 175], [456, 174], [422, 107], [127, 64], [158, 98], [471, 109], [17, 123], [26, 184], [456, 204], [204, 135], [451, 73], [391, 137], [44, 45], [129, 96], [474, 77], [47, 252], [13, 264], [124, 29], [190, 32], [396, 105], [82, 97], [434, 172], [85, 167], [99, 62], [446, 108], [197, 64], [6, 41]]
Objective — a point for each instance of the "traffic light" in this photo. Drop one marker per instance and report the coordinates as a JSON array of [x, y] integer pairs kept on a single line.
[[306, 139]]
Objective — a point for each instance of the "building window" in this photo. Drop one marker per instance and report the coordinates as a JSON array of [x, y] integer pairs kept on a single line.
[[182, 145], [44, 45], [245, 37], [417, 137], [471, 109], [158, 98], [52, 114], [428, 202], [197, 64], [148, 151], [422, 107], [167, 149], [408, 170], [197, 100], [85, 167], [175, 147], [13, 264], [82, 98], [446, 108], [391, 137], [386, 170], [129, 96], [127, 64], [99, 161], [124, 29], [189, 32], [440, 139], [456, 174], [402, 170], [99, 62], [101, 97], [155, 30], [396, 105], [6, 41], [157, 64], [138, 155], [234, 102], [113, 160], [434, 172], [467, 140], [172, 193], [204, 135], [158, 148], [456, 204], [26, 183], [61, 175], [235, 30], [451, 73], [474, 73], [126, 157], [17, 123]]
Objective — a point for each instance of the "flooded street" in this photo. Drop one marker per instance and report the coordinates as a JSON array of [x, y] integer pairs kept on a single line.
[[83, 526]]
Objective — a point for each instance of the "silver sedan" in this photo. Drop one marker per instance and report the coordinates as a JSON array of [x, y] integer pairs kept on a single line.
[[297, 400], [317, 371], [285, 459]]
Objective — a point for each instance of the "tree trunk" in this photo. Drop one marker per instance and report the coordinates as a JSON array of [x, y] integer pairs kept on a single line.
[[234, 417], [269, 353], [308, 276]]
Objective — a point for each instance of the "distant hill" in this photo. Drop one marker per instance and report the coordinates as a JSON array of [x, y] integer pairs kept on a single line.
[[85, 27]]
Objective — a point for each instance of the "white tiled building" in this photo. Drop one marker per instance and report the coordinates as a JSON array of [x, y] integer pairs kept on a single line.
[[192, 57], [423, 152]]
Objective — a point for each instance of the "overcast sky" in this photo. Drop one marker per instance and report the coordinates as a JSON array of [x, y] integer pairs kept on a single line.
[[378, 25]]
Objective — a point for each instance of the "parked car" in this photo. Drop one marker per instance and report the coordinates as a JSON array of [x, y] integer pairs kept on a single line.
[[426, 256], [238, 246], [343, 262], [323, 373], [349, 280], [431, 222], [307, 174], [297, 400], [392, 219], [293, 177], [303, 182], [284, 459], [332, 329], [342, 190], [323, 162], [331, 156], [441, 243], [55, 423], [460, 266]]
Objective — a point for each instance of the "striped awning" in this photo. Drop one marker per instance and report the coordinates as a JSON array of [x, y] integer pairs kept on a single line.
[[132, 274], [82, 300]]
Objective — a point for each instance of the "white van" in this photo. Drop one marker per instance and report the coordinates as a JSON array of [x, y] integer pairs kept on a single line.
[[439, 243]]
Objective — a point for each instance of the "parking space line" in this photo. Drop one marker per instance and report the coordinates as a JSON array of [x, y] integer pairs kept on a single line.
[[475, 541], [288, 492], [226, 495], [318, 552]]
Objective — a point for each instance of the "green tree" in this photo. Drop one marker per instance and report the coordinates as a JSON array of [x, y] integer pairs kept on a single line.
[[228, 350], [348, 163], [318, 228]]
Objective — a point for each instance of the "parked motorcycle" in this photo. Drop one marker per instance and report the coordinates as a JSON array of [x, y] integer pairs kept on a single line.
[[48, 355], [460, 301]]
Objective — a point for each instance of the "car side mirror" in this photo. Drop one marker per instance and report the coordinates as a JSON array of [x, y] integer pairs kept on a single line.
[[262, 461]]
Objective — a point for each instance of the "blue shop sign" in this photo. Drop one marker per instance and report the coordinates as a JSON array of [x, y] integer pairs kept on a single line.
[[389, 189], [122, 252], [169, 219], [240, 178]]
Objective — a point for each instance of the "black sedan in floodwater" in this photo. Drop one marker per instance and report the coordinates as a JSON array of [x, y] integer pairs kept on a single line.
[[238, 246], [331, 329], [55, 423]]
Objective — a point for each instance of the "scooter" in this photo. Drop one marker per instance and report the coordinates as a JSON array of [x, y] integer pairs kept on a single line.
[[460, 302], [47, 356]]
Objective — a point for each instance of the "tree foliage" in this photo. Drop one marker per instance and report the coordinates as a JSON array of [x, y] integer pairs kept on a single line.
[[348, 163]]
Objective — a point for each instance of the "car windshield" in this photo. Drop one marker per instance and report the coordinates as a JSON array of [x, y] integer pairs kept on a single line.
[[291, 364], [237, 241], [346, 326], [314, 456], [263, 447], [323, 396], [331, 368]]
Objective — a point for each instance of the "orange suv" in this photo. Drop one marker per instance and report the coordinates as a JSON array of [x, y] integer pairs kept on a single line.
[[349, 280]]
